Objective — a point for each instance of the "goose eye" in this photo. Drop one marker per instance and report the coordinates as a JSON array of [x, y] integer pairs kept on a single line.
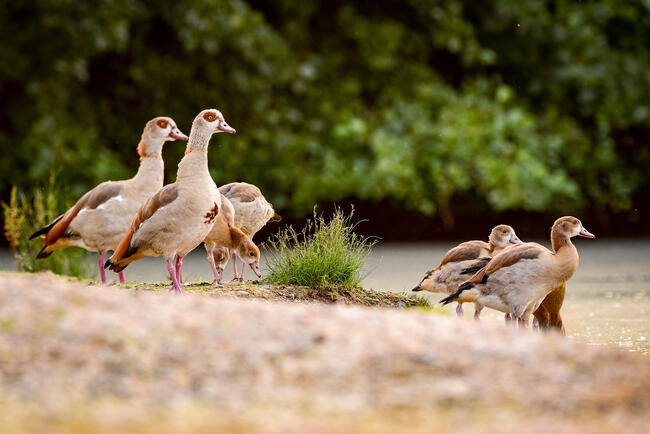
[[162, 123], [251, 254], [210, 117]]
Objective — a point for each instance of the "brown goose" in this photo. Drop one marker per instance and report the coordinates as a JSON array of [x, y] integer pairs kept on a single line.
[[516, 280], [450, 273], [252, 212], [225, 235], [99, 220], [175, 220]]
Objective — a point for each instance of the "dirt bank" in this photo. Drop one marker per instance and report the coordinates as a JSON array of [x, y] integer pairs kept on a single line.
[[293, 293], [75, 358]]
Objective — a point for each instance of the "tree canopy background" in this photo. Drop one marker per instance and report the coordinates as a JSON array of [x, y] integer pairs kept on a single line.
[[424, 105]]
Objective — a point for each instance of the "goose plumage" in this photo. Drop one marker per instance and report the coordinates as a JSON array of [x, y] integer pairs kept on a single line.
[[101, 217], [252, 212], [176, 219], [516, 280], [451, 271]]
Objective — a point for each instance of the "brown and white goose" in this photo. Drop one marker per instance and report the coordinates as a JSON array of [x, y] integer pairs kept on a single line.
[[547, 316], [516, 280], [252, 212], [446, 277], [99, 220], [175, 220], [225, 235], [220, 257]]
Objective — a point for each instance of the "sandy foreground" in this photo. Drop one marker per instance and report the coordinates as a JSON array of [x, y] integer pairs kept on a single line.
[[77, 358]]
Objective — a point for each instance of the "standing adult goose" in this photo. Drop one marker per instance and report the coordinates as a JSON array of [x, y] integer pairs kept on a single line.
[[446, 277], [175, 220], [252, 212], [99, 220], [225, 235], [516, 280], [547, 314]]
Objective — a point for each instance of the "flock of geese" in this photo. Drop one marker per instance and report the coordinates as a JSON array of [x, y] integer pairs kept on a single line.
[[505, 274], [139, 217]]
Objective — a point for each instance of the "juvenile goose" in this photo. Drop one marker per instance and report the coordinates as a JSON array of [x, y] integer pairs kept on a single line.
[[220, 257], [252, 212], [516, 280], [99, 220], [175, 220], [446, 277], [225, 235]]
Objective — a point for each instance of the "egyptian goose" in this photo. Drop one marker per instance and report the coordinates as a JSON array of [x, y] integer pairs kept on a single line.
[[220, 257], [175, 220], [252, 212], [446, 277], [516, 280], [99, 220], [547, 316], [225, 235]]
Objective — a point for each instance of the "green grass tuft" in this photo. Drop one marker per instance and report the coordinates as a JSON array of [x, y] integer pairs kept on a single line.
[[26, 213], [324, 253]]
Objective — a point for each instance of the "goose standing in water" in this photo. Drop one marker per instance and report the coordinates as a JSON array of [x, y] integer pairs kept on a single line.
[[516, 280], [99, 220], [547, 316], [446, 277], [175, 220]]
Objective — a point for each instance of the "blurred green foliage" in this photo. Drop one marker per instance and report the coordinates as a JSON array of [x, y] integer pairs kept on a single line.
[[536, 105], [26, 213]]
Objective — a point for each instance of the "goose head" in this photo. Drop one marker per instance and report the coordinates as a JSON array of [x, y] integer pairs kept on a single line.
[[158, 131], [221, 256], [569, 227], [503, 235], [249, 253], [212, 121]]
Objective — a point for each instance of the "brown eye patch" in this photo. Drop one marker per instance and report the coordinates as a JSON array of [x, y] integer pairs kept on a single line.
[[162, 123], [210, 116]]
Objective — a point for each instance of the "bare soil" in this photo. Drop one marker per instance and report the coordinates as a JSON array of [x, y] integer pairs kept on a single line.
[[293, 293], [80, 358]]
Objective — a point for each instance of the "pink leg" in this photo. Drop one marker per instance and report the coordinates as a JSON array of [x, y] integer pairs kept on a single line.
[[102, 272], [172, 272], [235, 278], [241, 276], [535, 324], [218, 274], [234, 265], [459, 310], [179, 269], [122, 278]]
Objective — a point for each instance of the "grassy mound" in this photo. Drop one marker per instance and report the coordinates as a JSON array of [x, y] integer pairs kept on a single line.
[[299, 294], [324, 253]]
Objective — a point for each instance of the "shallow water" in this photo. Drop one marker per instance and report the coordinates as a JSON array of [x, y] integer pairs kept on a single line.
[[607, 301]]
